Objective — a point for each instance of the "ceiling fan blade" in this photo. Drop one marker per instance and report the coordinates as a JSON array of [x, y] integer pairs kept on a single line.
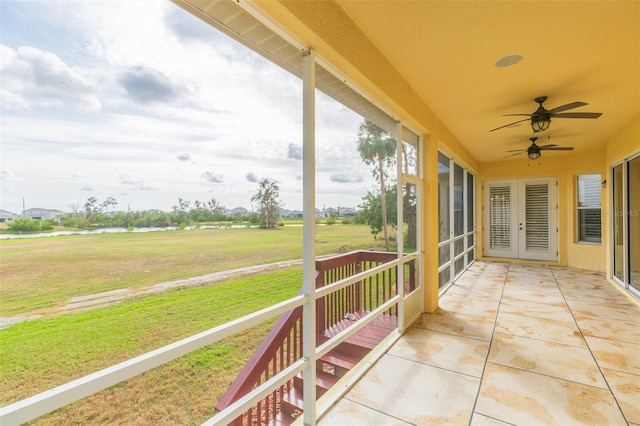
[[513, 155], [516, 115], [547, 146], [572, 105], [517, 150], [510, 124], [577, 115], [558, 148]]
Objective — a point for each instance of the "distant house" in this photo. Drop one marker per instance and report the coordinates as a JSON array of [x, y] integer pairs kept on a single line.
[[347, 211], [290, 213], [41, 214], [7, 216], [337, 212]]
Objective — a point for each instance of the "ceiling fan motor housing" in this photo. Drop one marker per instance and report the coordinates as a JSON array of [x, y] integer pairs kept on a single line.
[[534, 151], [541, 118]]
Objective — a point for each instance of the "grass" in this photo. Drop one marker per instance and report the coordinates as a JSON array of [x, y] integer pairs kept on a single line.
[[40, 354], [43, 273]]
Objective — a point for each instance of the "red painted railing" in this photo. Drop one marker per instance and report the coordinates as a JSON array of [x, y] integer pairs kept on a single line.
[[283, 344]]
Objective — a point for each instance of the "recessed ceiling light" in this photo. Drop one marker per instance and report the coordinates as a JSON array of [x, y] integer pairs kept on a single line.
[[508, 61]]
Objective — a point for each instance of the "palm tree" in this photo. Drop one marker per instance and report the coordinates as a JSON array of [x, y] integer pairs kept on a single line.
[[377, 147]]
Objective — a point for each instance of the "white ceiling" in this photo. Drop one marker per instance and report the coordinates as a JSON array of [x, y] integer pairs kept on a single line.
[[572, 51]]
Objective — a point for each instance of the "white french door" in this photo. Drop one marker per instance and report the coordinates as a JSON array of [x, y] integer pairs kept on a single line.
[[521, 219]]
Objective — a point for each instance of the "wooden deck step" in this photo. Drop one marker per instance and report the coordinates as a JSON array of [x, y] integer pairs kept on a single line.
[[291, 404], [341, 359], [281, 419], [340, 362], [369, 336], [324, 381]]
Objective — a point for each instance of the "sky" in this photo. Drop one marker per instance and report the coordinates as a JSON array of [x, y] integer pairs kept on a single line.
[[140, 101]]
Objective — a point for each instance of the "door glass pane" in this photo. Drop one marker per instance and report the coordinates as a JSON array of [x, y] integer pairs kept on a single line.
[[537, 217], [470, 207], [459, 266], [500, 217], [443, 197], [634, 223], [618, 225], [458, 246], [444, 277], [458, 200], [444, 254]]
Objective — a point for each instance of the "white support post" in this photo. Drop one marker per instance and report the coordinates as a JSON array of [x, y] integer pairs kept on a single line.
[[420, 220], [309, 235], [399, 227]]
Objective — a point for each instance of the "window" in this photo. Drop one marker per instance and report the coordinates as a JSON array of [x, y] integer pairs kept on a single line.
[[589, 209], [456, 238]]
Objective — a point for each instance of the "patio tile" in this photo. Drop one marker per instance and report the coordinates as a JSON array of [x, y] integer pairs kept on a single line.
[[540, 295], [622, 310], [626, 388], [479, 292], [558, 310], [525, 398], [565, 352], [609, 328], [539, 328], [481, 420], [347, 412], [551, 359], [470, 305], [455, 353], [441, 397], [451, 322], [614, 355]]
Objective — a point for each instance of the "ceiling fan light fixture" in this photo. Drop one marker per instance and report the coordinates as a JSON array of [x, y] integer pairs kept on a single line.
[[540, 123], [534, 155]]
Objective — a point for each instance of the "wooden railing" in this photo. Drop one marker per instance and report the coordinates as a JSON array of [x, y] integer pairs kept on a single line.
[[283, 345]]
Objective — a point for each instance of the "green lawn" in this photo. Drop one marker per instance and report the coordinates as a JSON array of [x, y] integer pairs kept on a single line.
[[43, 273], [40, 354]]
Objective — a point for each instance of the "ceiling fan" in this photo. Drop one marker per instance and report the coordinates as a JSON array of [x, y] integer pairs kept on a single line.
[[533, 152], [541, 118]]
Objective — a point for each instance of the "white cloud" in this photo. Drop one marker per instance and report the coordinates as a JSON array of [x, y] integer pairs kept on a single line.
[[345, 178], [6, 174], [147, 85], [173, 89], [213, 177], [32, 77], [294, 152]]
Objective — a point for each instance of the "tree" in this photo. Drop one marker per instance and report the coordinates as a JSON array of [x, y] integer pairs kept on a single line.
[[377, 148], [370, 210], [92, 207], [267, 202]]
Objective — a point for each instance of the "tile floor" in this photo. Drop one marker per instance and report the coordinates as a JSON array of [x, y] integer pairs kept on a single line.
[[510, 344]]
